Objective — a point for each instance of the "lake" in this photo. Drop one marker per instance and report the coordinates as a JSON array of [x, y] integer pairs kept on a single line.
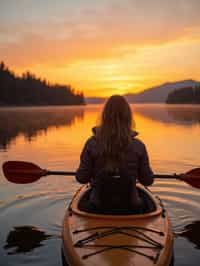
[[52, 137]]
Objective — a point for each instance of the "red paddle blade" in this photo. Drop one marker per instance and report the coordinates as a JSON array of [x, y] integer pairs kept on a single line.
[[20, 172], [192, 177]]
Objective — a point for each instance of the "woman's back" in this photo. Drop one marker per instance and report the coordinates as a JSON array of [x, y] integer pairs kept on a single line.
[[114, 148]]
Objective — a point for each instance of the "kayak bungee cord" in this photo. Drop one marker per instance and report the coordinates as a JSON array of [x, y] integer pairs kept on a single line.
[[154, 259], [118, 230], [152, 244], [109, 227], [115, 230]]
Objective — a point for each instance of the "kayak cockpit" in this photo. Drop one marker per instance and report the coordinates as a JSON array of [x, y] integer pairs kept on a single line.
[[81, 206], [148, 205]]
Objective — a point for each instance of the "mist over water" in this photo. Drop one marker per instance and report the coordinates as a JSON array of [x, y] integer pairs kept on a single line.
[[52, 137]]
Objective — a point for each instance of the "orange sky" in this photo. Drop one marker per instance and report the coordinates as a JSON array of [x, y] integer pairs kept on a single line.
[[102, 47]]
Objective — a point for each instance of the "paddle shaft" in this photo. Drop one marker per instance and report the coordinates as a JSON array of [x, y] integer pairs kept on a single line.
[[60, 173], [175, 176]]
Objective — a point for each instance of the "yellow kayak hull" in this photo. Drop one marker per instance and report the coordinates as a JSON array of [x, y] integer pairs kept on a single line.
[[96, 239]]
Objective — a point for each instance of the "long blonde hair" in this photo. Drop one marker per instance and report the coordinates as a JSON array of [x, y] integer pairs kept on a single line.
[[115, 130]]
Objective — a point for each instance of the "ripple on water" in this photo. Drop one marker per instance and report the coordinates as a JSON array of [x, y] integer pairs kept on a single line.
[[181, 202], [23, 201]]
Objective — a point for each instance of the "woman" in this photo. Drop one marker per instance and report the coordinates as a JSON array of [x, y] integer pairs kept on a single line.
[[113, 159]]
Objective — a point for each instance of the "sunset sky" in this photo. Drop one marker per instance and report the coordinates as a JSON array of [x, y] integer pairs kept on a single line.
[[102, 47]]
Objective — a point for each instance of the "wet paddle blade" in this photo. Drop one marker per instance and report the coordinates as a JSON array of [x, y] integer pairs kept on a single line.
[[20, 172], [192, 177]]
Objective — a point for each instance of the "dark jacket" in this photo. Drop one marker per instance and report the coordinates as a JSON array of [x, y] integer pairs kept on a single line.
[[136, 164]]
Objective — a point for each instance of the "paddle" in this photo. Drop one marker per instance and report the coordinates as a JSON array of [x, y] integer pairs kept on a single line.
[[20, 172]]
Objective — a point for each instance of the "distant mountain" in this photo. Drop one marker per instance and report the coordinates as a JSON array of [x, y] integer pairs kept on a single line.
[[159, 94]]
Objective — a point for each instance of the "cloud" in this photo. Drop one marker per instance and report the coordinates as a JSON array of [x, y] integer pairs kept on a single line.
[[112, 30]]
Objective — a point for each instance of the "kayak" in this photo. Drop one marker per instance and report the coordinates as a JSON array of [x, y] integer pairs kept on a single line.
[[108, 239]]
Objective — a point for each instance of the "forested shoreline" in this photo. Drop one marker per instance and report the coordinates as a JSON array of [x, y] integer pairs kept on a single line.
[[29, 90], [189, 95]]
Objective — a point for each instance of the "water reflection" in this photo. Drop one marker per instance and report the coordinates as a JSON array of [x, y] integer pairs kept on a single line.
[[57, 136], [192, 233], [33, 121], [173, 114], [155, 112], [185, 114], [24, 239]]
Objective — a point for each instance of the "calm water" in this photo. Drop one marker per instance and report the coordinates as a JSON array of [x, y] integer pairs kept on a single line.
[[52, 137]]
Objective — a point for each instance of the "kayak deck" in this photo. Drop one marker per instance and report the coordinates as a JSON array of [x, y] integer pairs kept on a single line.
[[134, 239]]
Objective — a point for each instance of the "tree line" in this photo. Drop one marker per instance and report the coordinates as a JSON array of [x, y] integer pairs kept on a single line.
[[185, 95], [30, 90]]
